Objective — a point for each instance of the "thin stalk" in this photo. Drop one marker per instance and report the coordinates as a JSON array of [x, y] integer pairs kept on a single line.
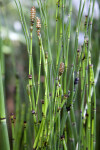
[[39, 74], [70, 137], [3, 124], [94, 121], [30, 70], [64, 143], [13, 129], [25, 136]]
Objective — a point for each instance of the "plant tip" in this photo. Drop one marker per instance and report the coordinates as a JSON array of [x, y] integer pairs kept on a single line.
[[61, 68], [32, 15]]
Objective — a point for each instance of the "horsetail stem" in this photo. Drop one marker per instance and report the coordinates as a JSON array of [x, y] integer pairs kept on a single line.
[[3, 123], [25, 135], [31, 94], [38, 26], [13, 128]]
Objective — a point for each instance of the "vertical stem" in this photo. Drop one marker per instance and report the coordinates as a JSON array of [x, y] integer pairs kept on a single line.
[[13, 129], [25, 135], [30, 70], [3, 124]]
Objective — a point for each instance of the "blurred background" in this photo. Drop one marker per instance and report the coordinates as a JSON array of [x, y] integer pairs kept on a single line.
[[13, 46]]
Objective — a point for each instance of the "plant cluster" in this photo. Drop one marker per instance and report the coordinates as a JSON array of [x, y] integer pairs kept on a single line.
[[49, 120]]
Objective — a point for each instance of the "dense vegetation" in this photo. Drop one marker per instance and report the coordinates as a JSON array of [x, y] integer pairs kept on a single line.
[[48, 74]]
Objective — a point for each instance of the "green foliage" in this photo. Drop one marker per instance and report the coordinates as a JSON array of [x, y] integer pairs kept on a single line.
[[60, 111]]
